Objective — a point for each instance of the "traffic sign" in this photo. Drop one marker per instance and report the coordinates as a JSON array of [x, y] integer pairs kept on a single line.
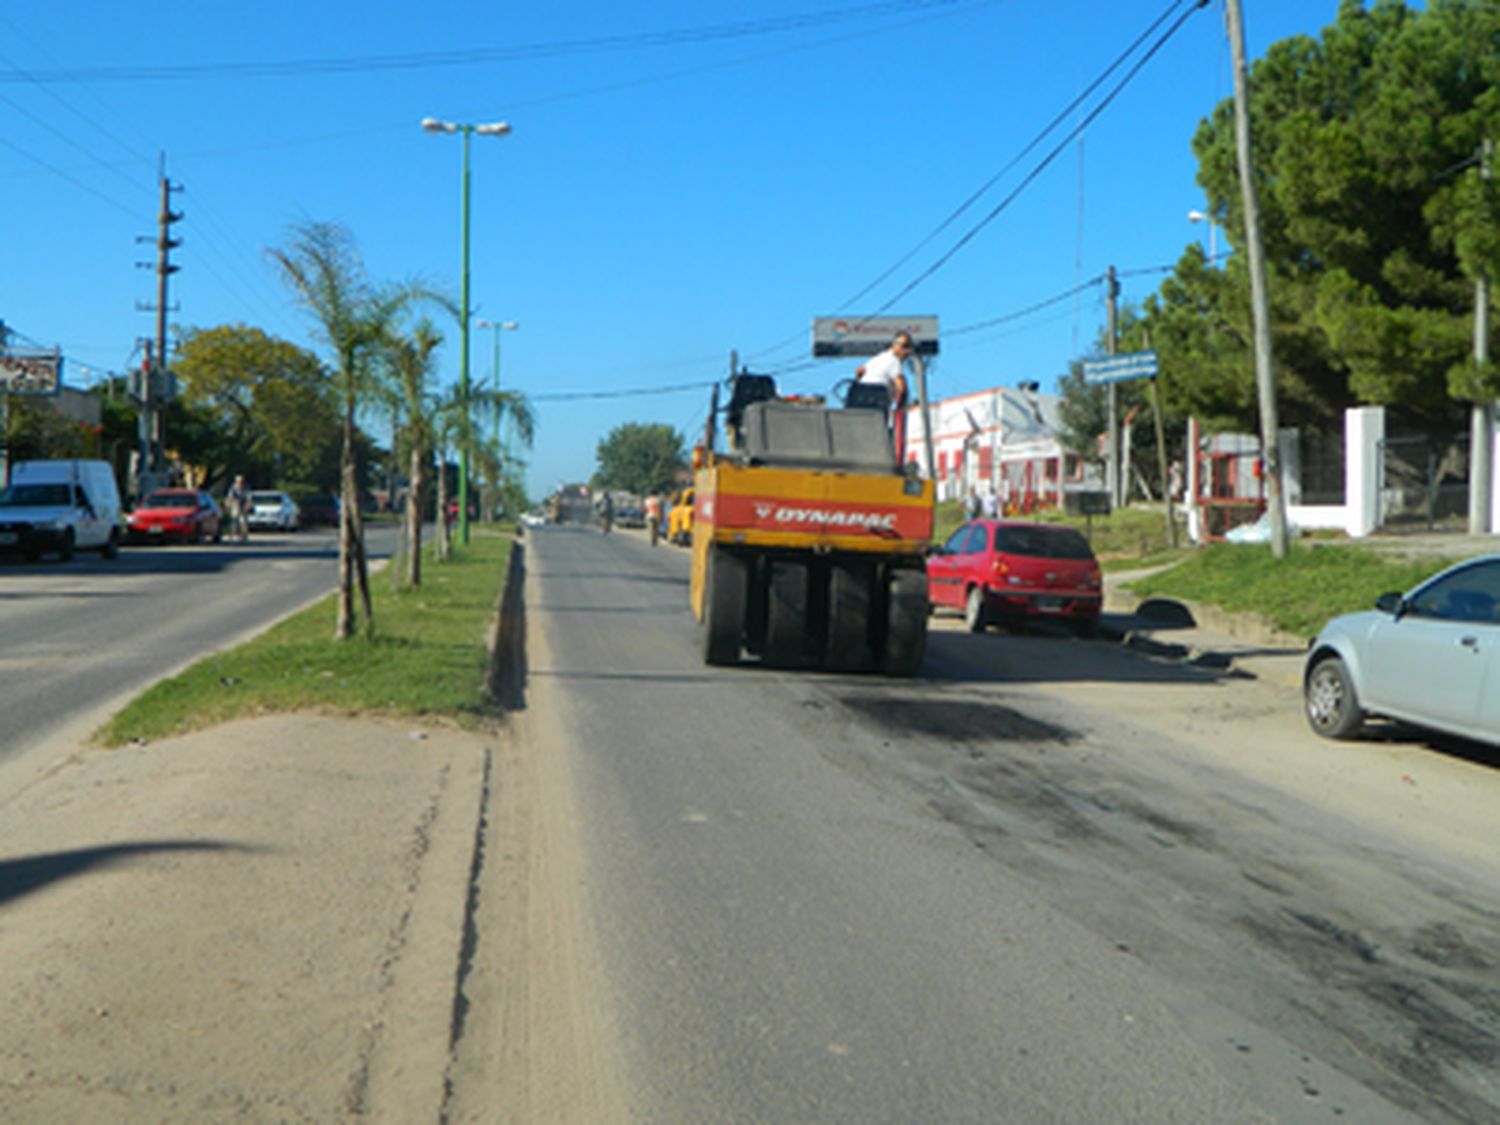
[[1120, 368]]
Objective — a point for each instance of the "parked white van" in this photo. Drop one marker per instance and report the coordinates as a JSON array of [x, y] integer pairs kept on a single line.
[[60, 507]]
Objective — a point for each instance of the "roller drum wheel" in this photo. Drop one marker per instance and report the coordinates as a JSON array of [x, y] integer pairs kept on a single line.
[[725, 595], [849, 617], [906, 624], [786, 614]]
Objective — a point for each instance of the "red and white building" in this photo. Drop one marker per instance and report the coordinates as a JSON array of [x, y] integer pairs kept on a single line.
[[1000, 442]]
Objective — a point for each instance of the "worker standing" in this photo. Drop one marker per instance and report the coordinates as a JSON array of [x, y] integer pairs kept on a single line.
[[885, 370], [653, 516]]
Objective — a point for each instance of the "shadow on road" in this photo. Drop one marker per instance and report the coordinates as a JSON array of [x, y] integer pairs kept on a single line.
[[30, 873], [207, 558]]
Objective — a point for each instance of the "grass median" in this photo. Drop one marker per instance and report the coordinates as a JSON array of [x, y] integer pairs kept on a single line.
[[425, 656]]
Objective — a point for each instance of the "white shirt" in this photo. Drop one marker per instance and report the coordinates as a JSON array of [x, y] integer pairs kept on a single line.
[[884, 369]]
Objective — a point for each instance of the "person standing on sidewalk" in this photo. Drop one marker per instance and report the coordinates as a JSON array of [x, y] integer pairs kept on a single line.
[[238, 498]]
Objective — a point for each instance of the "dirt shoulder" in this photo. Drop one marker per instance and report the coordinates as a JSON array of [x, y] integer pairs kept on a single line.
[[263, 920]]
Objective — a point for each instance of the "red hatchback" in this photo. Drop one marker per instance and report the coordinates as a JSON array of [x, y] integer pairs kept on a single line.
[[183, 514], [1002, 572]]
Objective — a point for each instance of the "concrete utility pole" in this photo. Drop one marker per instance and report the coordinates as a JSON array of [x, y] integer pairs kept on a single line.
[[1482, 416], [1260, 306], [151, 430], [1112, 392]]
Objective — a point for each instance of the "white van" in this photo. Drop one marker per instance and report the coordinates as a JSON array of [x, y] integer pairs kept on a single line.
[[60, 506]]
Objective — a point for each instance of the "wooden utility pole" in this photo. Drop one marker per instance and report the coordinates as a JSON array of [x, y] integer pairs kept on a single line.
[[1482, 416], [1260, 306]]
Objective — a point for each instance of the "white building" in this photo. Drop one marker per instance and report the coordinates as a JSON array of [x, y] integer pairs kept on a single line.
[[999, 442]]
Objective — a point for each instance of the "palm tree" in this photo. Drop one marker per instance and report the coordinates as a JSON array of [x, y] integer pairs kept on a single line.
[[495, 406], [411, 361], [322, 267]]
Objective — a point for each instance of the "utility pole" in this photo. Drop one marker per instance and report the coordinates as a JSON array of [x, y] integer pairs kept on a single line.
[[1112, 393], [4, 416], [1260, 306], [1482, 415], [151, 430]]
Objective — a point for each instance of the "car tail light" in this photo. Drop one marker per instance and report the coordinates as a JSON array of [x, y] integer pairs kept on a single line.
[[1001, 568], [1091, 581]]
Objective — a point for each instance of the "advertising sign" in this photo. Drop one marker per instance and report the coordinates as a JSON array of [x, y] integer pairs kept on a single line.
[[31, 373], [838, 336]]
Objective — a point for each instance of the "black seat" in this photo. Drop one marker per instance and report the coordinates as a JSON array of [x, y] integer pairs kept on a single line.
[[868, 396]]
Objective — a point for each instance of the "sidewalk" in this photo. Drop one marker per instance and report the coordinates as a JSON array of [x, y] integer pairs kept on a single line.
[[260, 921]]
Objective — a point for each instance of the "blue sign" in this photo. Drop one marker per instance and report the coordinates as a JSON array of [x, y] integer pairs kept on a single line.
[[1120, 368]]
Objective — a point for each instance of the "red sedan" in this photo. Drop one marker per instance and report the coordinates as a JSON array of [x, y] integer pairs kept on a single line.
[[183, 514], [1004, 572]]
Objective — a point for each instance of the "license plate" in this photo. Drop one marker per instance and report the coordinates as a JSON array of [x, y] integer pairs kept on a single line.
[[1049, 605], [9, 537], [156, 530]]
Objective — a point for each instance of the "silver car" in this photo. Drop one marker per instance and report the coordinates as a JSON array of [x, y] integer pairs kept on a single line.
[[272, 511], [1430, 658]]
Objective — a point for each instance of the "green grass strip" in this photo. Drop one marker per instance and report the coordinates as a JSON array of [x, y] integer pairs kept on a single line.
[[425, 656], [1296, 594]]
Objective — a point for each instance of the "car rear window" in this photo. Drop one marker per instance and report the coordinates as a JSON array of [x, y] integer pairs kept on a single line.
[[1042, 542], [266, 497], [171, 500]]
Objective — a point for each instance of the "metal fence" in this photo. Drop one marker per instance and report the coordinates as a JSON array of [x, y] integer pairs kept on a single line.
[[1424, 482]]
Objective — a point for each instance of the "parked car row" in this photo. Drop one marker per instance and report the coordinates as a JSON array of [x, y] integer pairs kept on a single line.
[[60, 507]]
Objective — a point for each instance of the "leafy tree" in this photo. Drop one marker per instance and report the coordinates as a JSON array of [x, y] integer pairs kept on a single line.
[[38, 431], [640, 457], [270, 400], [1373, 229]]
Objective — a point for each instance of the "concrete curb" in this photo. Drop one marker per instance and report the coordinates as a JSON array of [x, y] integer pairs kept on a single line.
[[505, 676]]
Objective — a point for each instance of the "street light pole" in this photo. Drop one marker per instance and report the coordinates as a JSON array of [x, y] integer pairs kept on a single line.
[[1196, 216], [495, 129], [497, 326]]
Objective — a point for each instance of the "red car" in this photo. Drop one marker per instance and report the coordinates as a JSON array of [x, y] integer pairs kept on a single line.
[[1003, 572], [183, 514]]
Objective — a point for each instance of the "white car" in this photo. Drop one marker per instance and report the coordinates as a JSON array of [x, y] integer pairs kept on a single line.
[[60, 506], [1430, 658], [272, 511]]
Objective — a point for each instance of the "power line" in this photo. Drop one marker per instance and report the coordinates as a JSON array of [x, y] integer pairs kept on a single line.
[[483, 55], [974, 197], [1046, 161], [636, 392]]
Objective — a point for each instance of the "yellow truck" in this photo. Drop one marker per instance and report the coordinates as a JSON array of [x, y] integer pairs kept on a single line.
[[809, 540]]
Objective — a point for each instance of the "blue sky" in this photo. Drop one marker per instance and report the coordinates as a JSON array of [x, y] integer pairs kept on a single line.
[[682, 179]]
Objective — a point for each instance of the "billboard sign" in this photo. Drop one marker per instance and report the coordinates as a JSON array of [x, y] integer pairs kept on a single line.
[[31, 372], [1120, 368], [838, 336]]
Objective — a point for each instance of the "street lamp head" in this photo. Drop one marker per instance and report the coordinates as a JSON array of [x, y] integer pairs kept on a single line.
[[493, 129], [1196, 216], [433, 125], [510, 325]]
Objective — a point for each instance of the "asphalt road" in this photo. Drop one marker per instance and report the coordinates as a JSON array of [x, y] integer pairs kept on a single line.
[[1051, 880], [79, 636]]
